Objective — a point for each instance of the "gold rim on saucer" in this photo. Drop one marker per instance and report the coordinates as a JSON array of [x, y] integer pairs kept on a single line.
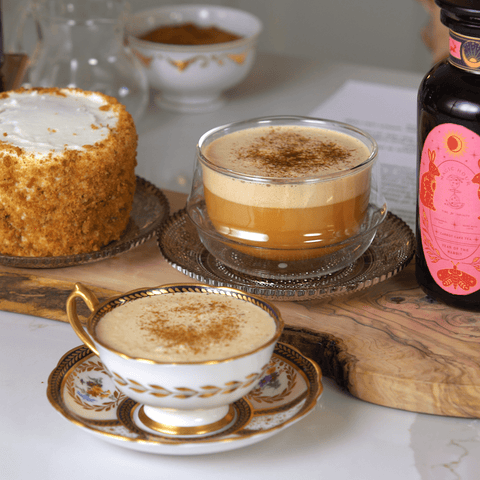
[[81, 390], [187, 431], [150, 209], [390, 252]]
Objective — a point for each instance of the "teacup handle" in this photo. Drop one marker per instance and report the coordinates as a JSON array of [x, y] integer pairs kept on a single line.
[[91, 300]]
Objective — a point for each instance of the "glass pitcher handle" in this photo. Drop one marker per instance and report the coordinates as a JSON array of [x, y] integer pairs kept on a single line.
[[17, 41]]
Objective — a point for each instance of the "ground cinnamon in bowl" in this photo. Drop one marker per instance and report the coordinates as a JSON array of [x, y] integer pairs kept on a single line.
[[188, 34]]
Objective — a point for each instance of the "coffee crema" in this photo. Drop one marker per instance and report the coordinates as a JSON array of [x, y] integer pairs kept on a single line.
[[186, 327], [289, 219]]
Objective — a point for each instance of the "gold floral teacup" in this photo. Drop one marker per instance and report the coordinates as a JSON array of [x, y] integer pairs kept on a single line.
[[195, 365]]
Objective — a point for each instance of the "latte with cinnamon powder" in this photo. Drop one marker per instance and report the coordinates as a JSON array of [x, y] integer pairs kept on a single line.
[[255, 199], [186, 327]]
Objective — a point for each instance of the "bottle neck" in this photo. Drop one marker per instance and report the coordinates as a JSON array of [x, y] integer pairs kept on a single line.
[[465, 52]]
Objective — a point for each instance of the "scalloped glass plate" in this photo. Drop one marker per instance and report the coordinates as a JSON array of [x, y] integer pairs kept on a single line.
[[149, 211], [390, 252]]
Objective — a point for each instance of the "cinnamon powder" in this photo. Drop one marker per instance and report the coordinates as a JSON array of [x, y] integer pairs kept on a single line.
[[281, 153], [186, 327], [189, 34], [223, 326]]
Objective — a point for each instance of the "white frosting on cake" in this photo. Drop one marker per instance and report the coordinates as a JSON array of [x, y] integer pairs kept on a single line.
[[47, 122]]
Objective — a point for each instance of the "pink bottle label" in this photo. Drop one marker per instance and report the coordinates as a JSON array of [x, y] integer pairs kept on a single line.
[[449, 207]]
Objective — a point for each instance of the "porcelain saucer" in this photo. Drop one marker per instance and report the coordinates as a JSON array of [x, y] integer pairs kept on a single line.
[[82, 391]]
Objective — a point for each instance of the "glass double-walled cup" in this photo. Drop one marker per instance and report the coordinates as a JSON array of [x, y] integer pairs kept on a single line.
[[285, 223]]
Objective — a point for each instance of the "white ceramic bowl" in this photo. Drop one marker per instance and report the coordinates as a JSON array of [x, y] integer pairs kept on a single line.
[[178, 398], [192, 78]]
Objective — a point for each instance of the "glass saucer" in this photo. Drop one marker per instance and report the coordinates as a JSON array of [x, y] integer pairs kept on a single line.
[[150, 209], [81, 390], [389, 253]]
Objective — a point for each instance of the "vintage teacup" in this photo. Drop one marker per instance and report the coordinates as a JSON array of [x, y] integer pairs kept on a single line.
[[184, 388]]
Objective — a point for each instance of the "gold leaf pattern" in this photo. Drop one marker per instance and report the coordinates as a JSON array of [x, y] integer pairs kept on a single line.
[[206, 391], [144, 60], [203, 60], [237, 57], [182, 65]]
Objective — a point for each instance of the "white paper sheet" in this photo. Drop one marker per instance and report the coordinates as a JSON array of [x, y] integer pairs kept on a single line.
[[389, 115]]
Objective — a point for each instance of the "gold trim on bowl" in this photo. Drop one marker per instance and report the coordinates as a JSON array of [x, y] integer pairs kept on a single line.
[[203, 60]]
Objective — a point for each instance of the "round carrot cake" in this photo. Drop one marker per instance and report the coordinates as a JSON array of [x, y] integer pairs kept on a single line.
[[67, 171]]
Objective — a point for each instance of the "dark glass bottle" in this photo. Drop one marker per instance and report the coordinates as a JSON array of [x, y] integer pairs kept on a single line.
[[448, 207]]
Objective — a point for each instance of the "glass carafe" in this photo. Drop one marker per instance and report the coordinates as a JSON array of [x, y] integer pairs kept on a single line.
[[79, 43]]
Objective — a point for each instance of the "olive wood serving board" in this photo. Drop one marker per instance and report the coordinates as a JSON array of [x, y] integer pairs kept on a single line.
[[387, 344]]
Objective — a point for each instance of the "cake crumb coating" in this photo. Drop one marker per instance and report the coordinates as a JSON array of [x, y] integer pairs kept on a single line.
[[69, 202]]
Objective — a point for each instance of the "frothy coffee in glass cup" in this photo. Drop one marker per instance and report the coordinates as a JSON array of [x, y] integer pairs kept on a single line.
[[285, 217], [285, 190]]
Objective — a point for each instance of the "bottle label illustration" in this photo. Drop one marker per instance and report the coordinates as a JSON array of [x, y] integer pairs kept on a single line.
[[464, 52], [449, 207]]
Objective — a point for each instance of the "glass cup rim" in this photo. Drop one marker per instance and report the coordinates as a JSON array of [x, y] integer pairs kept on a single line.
[[279, 120]]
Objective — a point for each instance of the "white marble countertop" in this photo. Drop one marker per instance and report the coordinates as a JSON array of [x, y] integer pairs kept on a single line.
[[343, 439]]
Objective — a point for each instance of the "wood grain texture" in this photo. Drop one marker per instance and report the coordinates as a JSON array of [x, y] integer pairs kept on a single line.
[[42, 297], [395, 347], [388, 344]]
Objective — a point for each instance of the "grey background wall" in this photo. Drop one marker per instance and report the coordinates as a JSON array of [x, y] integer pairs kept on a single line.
[[381, 33]]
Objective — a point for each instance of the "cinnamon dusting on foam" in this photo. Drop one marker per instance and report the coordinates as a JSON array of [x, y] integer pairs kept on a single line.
[[286, 151], [283, 153], [223, 326], [186, 326]]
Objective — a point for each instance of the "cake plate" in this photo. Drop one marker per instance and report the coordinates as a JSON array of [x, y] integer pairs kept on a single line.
[[390, 252], [150, 210], [80, 389]]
